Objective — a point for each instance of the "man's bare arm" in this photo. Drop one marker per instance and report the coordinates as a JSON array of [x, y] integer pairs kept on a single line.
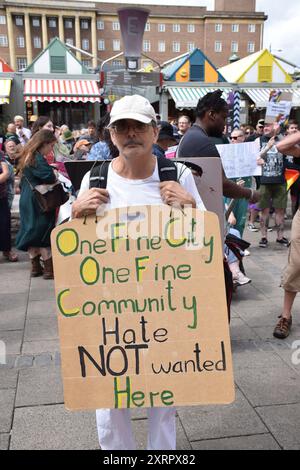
[[289, 145]]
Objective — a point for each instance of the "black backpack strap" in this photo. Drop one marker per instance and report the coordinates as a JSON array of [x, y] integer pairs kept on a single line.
[[167, 170], [98, 175]]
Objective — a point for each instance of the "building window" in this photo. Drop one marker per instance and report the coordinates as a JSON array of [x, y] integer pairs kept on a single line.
[[176, 28], [116, 45], [190, 46], [176, 46], [147, 27], [101, 45], [191, 28], [116, 26], [85, 44], [161, 46], [161, 28], [218, 46], [146, 46], [234, 46], [20, 42], [100, 25], [235, 28], [70, 41], [37, 44], [251, 28], [52, 23], [2, 19], [21, 63], [86, 63], [58, 64], [19, 21], [68, 24], [36, 22], [84, 24], [3, 41], [251, 47], [218, 28], [265, 73]]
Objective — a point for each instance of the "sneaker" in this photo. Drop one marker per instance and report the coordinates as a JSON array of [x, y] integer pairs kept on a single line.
[[239, 279], [283, 328], [263, 243], [270, 229], [247, 253], [283, 241], [252, 228]]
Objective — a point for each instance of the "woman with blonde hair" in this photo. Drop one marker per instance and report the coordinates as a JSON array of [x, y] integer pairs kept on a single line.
[[36, 227]]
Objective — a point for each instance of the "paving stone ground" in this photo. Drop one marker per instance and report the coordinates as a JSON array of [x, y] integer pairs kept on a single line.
[[265, 414]]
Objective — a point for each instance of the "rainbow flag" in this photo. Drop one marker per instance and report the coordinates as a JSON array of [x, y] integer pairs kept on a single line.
[[291, 177]]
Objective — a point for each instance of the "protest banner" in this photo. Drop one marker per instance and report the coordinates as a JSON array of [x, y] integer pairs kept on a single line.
[[279, 108], [142, 309], [240, 160]]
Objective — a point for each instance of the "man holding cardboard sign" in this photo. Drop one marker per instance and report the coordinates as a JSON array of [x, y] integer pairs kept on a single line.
[[140, 297]]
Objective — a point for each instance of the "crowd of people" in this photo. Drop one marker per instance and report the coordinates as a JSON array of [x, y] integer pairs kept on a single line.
[[135, 139]]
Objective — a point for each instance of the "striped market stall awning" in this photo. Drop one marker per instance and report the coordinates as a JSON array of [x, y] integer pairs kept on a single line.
[[61, 90], [188, 97], [260, 96], [5, 86]]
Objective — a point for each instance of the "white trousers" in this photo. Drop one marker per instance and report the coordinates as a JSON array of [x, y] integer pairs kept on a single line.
[[115, 431]]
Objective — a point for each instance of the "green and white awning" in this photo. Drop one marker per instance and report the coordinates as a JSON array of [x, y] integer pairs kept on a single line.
[[261, 96], [188, 97]]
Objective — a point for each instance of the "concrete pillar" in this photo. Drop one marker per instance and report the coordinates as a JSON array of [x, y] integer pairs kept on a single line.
[[164, 106], [61, 28], [77, 36], [28, 39], [94, 40], [44, 31], [11, 41]]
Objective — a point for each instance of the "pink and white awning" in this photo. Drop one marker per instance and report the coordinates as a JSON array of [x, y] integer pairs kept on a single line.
[[61, 90]]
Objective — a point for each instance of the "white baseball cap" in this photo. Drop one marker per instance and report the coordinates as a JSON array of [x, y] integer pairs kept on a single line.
[[134, 107]]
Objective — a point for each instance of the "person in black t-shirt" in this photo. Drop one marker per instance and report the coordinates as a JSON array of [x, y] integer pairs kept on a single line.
[[211, 114], [273, 184]]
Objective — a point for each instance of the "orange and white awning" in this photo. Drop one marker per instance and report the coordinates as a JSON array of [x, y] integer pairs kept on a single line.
[[61, 90]]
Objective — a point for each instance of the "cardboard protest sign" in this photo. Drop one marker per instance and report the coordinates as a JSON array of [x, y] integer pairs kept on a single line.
[[240, 160], [279, 107], [142, 309]]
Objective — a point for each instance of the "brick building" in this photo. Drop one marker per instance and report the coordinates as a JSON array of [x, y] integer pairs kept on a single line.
[[26, 28]]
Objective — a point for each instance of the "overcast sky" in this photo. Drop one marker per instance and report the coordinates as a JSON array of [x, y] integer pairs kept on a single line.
[[281, 30]]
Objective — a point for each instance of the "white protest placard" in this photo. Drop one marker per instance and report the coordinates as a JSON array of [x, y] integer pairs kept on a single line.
[[240, 160], [279, 107]]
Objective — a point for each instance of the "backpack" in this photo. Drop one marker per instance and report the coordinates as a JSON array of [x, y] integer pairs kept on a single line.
[[167, 171]]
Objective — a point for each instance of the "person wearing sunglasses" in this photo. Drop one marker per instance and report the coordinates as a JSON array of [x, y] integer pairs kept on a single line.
[[237, 136]]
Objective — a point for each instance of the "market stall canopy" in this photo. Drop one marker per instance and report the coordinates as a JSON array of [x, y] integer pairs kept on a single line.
[[5, 86], [61, 90], [261, 96], [4, 67], [187, 97], [261, 67], [192, 67]]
